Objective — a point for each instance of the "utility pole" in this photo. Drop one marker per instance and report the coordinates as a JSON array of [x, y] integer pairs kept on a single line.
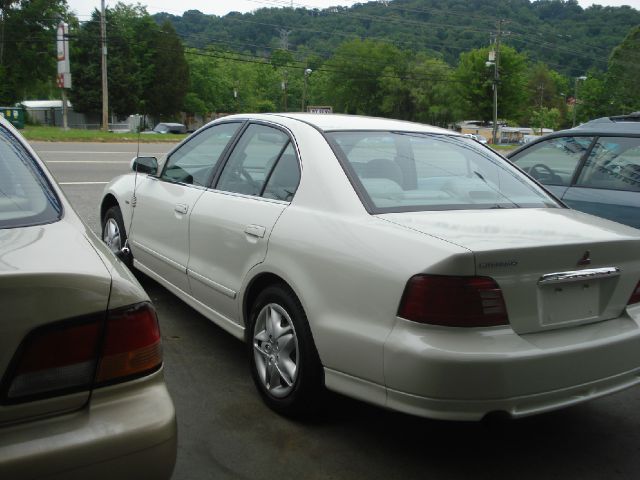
[[496, 79], [284, 44], [105, 85], [307, 72], [575, 98], [284, 38], [63, 78]]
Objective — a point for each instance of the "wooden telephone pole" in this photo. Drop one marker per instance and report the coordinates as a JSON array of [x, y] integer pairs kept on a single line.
[[105, 83]]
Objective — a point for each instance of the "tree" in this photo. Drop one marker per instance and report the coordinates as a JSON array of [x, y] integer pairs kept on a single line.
[[130, 46], [546, 89], [545, 118], [164, 97], [594, 99], [475, 83], [624, 72], [432, 91], [147, 70], [356, 73]]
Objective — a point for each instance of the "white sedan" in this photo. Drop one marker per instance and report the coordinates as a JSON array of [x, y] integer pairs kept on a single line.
[[397, 263], [82, 392]]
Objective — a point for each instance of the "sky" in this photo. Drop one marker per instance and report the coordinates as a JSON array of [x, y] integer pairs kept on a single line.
[[83, 8]]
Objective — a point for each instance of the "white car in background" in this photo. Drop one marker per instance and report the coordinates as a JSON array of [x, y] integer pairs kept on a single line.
[[397, 263], [82, 393]]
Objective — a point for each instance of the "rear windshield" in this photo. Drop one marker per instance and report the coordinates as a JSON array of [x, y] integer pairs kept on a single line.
[[26, 197], [401, 171]]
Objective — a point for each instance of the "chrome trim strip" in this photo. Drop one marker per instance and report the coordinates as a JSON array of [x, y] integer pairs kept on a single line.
[[226, 323], [216, 286], [161, 257], [579, 275]]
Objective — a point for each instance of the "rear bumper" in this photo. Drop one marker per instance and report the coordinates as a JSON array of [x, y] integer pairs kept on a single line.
[[464, 374], [126, 431], [515, 407]]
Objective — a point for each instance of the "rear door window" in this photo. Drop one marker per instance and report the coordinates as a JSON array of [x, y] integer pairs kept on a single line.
[[283, 181], [252, 160], [614, 164], [26, 196]]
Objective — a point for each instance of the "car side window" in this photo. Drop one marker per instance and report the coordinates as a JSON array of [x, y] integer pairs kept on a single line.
[[252, 160], [614, 163], [554, 161], [283, 181], [194, 161]]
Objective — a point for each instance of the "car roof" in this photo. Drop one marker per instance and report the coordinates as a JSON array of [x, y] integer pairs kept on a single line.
[[618, 125], [169, 124], [331, 122]]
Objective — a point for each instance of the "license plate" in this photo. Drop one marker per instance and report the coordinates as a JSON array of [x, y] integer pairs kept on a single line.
[[569, 302]]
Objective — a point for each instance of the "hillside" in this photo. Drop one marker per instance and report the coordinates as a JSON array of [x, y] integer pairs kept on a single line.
[[568, 38]]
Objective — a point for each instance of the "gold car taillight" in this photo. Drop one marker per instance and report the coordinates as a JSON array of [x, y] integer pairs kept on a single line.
[[84, 353]]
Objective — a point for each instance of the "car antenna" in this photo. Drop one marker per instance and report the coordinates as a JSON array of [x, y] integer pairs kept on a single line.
[[125, 251]]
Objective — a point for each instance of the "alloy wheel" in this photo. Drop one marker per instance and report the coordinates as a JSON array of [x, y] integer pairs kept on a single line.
[[275, 350]]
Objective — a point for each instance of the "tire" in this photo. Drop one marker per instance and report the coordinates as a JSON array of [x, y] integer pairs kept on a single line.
[[115, 235], [284, 362]]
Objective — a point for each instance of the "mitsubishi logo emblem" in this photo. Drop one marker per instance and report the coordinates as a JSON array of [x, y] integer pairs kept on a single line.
[[585, 260]]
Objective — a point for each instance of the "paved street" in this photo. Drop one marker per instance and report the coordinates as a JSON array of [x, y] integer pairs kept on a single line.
[[225, 432]]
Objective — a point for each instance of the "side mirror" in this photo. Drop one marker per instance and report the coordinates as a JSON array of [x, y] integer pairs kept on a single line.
[[147, 165]]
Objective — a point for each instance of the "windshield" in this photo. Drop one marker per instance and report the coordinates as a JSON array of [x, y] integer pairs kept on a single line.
[[400, 171], [26, 198]]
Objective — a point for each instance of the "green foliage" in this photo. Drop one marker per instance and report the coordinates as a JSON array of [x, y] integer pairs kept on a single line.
[[594, 99], [216, 75], [559, 33], [56, 134], [545, 118], [147, 70], [165, 95], [624, 74], [475, 83], [360, 72]]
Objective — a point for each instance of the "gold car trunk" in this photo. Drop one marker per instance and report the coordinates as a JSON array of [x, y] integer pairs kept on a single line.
[[48, 274]]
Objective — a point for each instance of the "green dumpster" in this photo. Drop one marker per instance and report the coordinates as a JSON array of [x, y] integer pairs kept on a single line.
[[14, 114]]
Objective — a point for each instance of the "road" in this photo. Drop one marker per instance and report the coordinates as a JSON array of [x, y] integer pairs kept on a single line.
[[225, 432]]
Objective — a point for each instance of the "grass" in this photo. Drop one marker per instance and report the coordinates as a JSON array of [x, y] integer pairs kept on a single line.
[[56, 134]]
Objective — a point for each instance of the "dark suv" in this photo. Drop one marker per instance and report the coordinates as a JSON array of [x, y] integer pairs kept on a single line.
[[594, 168]]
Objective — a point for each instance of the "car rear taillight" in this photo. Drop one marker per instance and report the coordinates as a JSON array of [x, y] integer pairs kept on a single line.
[[635, 296], [60, 358], [131, 345], [83, 353], [453, 301]]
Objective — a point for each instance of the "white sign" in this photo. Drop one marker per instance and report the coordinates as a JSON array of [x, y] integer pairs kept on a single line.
[[64, 67], [313, 109]]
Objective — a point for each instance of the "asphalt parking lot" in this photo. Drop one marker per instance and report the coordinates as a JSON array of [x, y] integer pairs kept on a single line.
[[225, 432]]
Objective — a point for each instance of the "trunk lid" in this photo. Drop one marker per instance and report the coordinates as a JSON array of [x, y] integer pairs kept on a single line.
[[520, 249], [47, 273]]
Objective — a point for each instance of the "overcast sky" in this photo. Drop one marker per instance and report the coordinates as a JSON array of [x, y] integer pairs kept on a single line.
[[83, 8]]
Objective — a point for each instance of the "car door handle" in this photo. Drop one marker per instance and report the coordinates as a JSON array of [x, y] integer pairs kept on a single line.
[[181, 208], [255, 230]]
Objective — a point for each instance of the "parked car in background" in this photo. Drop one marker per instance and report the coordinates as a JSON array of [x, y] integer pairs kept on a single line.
[[594, 168], [82, 393], [169, 128], [397, 263], [477, 137]]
